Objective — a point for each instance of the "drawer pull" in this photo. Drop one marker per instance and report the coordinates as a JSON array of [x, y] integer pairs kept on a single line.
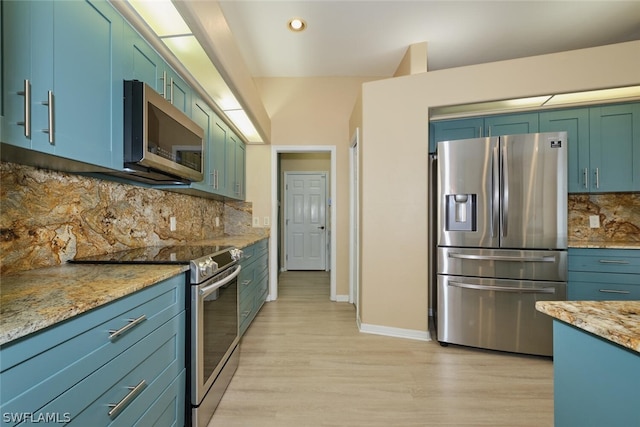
[[132, 323], [133, 393], [614, 291], [246, 282], [613, 261]]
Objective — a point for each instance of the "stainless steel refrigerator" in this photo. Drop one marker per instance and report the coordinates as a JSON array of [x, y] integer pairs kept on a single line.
[[502, 240]]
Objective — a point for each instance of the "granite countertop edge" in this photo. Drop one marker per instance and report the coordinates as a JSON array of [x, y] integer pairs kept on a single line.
[[33, 300], [615, 321], [603, 245]]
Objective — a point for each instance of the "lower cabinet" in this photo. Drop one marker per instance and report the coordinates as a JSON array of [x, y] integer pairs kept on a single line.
[[120, 364], [595, 381], [603, 274], [253, 282]]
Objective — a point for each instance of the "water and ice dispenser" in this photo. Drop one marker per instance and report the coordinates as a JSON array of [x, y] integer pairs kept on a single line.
[[461, 212]]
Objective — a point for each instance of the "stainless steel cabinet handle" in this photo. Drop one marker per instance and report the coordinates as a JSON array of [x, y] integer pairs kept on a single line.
[[171, 91], [480, 131], [502, 288], [164, 84], [613, 261], [585, 172], [614, 291], [246, 282], [50, 106], [502, 258], [132, 323], [133, 393], [27, 108], [597, 177]]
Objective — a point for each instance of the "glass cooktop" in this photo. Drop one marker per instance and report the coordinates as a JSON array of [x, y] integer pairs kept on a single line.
[[179, 254]]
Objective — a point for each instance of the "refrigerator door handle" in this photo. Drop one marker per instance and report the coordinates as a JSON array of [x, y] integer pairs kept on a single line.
[[502, 258], [502, 288], [504, 168], [495, 204]]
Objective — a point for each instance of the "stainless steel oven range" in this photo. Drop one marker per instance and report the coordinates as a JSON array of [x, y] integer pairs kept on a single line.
[[212, 336]]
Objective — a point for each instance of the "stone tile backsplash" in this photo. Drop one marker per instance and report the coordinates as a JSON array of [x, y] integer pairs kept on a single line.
[[47, 218], [619, 215]]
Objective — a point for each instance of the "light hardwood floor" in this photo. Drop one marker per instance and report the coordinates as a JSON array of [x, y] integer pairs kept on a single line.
[[304, 363]]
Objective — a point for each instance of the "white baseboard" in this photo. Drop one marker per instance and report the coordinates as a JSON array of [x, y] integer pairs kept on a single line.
[[394, 332], [342, 298]]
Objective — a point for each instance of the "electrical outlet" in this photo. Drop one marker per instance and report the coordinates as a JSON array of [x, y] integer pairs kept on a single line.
[[265, 221], [173, 223], [594, 221], [256, 222], [217, 221]]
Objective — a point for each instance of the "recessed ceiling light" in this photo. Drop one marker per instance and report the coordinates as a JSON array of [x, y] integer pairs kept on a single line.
[[297, 24]]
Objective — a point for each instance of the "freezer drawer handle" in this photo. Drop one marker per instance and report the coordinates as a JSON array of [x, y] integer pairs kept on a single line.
[[613, 261], [614, 291], [502, 258], [503, 288]]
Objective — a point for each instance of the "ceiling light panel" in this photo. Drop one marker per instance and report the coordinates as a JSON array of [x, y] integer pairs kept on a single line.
[[161, 16]]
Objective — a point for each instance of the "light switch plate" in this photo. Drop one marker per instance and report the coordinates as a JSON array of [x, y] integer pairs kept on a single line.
[[256, 222], [594, 221]]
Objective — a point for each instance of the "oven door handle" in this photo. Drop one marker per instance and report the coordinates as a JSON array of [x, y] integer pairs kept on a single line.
[[211, 288]]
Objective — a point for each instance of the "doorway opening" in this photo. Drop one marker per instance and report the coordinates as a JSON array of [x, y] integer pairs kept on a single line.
[[277, 242]]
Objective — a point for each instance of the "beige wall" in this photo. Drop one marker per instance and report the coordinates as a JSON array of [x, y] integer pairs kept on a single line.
[[394, 151], [304, 112]]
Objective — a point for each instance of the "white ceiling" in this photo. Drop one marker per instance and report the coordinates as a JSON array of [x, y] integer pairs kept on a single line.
[[369, 38]]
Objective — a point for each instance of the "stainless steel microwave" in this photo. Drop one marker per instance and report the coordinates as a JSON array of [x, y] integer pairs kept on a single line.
[[161, 144]]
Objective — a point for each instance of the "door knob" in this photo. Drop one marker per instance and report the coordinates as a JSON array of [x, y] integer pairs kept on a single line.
[[321, 227]]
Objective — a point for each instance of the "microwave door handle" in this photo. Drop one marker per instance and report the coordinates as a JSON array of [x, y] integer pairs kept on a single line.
[[211, 288]]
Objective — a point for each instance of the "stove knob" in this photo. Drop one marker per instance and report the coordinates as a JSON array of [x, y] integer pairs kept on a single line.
[[236, 254], [202, 267]]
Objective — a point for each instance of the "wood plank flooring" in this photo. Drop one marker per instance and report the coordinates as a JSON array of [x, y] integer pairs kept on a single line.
[[303, 362]]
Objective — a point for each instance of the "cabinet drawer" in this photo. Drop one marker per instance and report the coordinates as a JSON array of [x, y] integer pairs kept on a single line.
[[39, 367], [157, 359], [605, 260], [251, 253], [604, 291]]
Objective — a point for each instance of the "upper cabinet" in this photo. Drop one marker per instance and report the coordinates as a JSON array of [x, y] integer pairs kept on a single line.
[[575, 122], [603, 141], [479, 127], [63, 79], [614, 148], [143, 63]]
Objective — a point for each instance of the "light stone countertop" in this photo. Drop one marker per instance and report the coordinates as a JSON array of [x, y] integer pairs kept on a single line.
[[604, 245], [616, 321], [36, 299]]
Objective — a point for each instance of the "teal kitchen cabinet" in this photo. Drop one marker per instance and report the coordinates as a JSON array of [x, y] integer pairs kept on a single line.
[[63, 79], [614, 148], [575, 122], [143, 63], [603, 274], [477, 127], [595, 381], [253, 282], [202, 115], [237, 170], [122, 363]]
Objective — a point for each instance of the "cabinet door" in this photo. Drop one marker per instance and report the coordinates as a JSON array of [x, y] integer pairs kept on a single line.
[[29, 27], [240, 168], [178, 93], [201, 114], [448, 130], [87, 72], [511, 124], [576, 123], [219, 138], [615, 148], [142, 61]]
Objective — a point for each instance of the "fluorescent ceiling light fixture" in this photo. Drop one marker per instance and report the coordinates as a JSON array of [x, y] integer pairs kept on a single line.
[[161, 16], [244, 125], [297, 24], [537, 102], [592, 95]]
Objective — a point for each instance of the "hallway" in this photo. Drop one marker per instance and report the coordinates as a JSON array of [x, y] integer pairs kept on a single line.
[[304, 363]]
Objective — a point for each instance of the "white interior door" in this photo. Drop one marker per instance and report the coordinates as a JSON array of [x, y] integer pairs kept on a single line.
[[305, 220]]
